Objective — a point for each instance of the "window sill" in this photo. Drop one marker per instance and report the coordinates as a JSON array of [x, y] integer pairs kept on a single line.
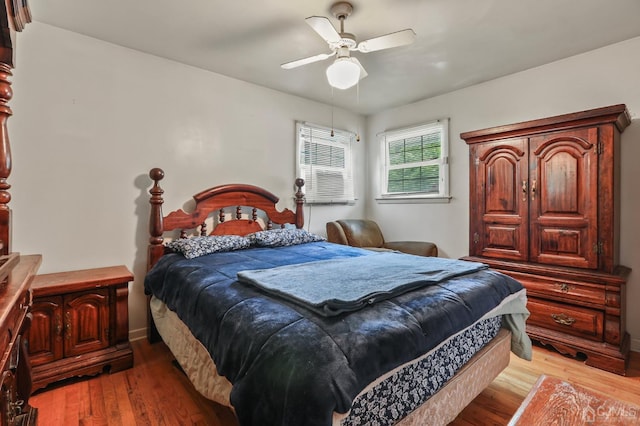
[[413, 200], [330, 203]]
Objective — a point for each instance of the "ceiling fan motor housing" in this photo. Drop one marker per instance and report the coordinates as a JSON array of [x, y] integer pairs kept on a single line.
[[347, 40], [341, 10]]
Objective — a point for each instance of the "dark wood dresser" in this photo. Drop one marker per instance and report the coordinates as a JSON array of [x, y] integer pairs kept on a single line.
[[15, 371], [544, 209]]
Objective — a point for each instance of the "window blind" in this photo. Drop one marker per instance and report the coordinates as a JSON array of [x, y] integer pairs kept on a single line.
[[325, 163]]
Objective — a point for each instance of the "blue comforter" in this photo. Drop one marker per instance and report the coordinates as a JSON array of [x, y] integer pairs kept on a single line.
[[291, 366]]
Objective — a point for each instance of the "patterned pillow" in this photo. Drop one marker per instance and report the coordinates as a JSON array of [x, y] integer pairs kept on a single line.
[[283, 237], [199, 246]]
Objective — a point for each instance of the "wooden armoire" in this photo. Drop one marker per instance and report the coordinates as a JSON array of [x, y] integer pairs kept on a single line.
[[544, 209]]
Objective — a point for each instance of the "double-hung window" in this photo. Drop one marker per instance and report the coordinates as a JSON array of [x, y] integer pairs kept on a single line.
[[324, 161], [416, 162]]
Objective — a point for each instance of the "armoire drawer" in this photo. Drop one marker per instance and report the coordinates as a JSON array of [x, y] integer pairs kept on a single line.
[[565, 290], [569, 319]]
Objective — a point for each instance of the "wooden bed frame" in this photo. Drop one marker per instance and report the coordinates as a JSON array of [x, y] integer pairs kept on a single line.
[[248, 203]]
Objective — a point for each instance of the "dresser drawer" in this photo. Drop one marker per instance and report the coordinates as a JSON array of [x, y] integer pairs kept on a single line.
[[569, 319], [11, 327], [565, 290]]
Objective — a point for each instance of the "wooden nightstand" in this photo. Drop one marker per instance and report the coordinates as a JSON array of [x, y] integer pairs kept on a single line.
[[80, 324]]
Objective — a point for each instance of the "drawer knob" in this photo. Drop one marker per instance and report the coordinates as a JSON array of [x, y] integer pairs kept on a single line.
[[563, 319], [564, 287]]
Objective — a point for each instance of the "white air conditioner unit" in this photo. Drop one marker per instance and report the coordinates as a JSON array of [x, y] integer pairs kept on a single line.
[[326, 186]]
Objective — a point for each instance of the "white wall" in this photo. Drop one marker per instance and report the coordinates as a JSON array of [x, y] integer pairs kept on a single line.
[[90, 120], [599, 78]]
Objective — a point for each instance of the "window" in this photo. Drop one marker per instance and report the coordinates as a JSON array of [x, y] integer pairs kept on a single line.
[[416, 161], [324, 162]]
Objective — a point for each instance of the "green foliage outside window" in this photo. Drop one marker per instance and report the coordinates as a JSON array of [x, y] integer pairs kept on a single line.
[[419, 178]]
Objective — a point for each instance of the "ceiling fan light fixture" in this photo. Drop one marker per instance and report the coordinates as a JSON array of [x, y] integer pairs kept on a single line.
[[343, 73]]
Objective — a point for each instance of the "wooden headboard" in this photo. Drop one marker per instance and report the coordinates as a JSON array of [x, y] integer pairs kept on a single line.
[[236, 209]]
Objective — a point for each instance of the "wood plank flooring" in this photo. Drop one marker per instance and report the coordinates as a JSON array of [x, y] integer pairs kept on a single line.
[[155, 392]]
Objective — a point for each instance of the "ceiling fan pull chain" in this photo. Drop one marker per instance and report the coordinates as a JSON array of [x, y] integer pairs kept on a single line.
[[332, 133], [358, 103]]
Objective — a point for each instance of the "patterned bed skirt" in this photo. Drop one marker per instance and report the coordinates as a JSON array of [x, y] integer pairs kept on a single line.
[[399, 393]]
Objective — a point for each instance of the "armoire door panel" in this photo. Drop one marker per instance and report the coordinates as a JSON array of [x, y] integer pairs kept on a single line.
[[502, 236], [559, 177], [503, 239], [563, 202], [502, 185], [502, 200], [560, 241]]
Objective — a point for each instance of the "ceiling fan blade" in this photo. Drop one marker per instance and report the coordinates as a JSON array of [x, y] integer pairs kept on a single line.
[[400, 38], [324, 28], [363, 73], [305, 61]]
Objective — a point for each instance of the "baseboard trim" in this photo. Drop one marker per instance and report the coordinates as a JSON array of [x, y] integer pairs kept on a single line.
[[138, 334], [635, 345]]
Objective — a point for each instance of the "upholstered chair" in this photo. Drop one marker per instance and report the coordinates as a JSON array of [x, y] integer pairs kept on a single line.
[[367, 234]]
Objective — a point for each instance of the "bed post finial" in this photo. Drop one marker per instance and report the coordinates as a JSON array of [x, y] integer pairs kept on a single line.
[[299, 203], [156, 227]]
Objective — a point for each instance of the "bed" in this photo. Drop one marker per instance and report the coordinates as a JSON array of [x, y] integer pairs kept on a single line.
[[413, 354]]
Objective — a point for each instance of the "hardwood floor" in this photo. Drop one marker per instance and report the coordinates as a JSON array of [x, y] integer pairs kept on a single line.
[[155, 392]]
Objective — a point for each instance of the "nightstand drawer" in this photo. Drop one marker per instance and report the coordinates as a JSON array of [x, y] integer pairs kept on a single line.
[[582, 322], [564, 290]]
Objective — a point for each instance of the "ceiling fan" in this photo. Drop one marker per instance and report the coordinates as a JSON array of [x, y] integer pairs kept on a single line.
[[346, 70]]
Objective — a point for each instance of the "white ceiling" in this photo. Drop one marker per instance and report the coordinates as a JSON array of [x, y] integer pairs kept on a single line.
[[459, 42]]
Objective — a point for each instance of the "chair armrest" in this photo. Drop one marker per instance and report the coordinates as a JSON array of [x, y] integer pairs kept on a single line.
[[419, 248]]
